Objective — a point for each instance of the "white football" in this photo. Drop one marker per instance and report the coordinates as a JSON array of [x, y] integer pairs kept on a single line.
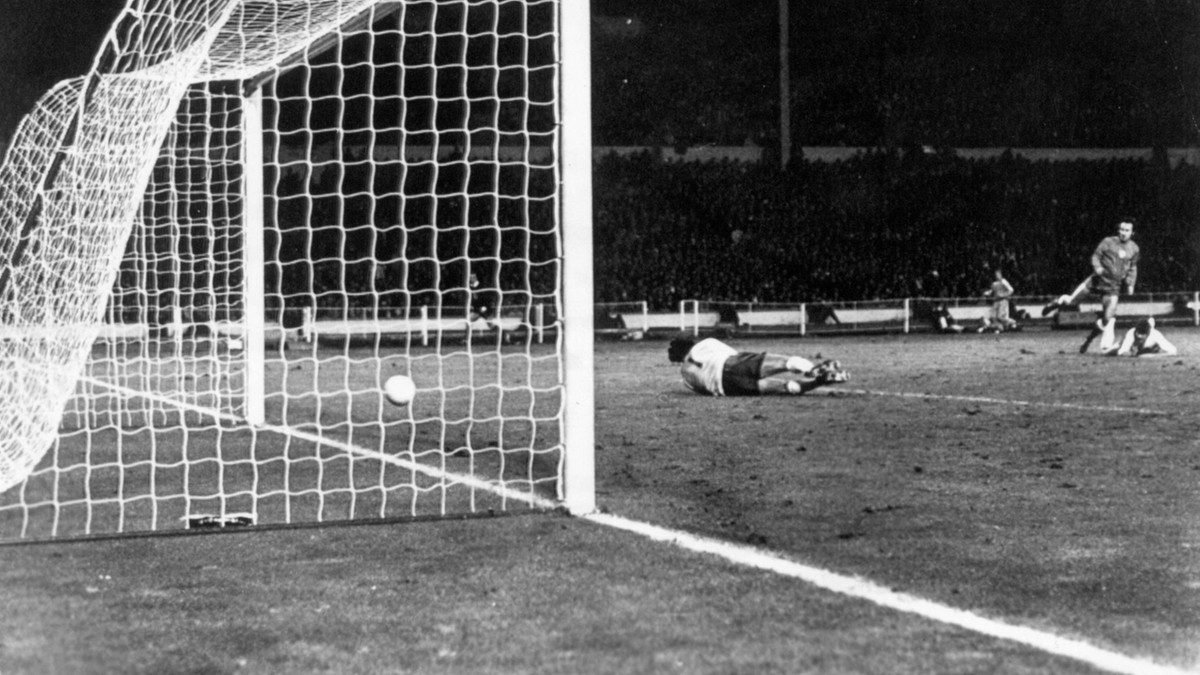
[[399, 389]]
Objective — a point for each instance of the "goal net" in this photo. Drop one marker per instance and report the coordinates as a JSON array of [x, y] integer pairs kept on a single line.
[[222, 241]]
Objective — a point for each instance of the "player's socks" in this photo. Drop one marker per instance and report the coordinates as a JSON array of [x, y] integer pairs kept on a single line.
[[798, 364], [1108, 336], [1096, 331]]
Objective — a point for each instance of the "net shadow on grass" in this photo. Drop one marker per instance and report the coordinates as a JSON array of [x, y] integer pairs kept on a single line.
[[482, 435]]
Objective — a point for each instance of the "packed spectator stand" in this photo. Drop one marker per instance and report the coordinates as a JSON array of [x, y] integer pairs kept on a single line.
[[912, 213], [909, 216], [882, 224]]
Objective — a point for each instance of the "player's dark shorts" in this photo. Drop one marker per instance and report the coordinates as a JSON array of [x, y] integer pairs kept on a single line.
[[741, 374], [1104, 286]]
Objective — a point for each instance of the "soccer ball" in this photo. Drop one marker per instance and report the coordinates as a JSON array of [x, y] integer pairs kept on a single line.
[[399, 389]]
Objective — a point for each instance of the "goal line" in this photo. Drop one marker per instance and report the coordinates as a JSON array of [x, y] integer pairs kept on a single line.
[[884, 597], [1057, 405], [467, 480]]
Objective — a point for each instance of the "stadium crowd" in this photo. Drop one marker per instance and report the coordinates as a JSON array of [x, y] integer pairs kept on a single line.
[[903, 221], [883, 224], [886, 224], [900, 221]]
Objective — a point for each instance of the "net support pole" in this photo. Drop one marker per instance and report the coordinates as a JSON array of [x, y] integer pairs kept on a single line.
[[253, 259], [579, 488]]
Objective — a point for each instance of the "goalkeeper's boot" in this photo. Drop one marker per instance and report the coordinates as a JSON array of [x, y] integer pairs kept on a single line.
[[831, 373], [825, 367], [835, 377]]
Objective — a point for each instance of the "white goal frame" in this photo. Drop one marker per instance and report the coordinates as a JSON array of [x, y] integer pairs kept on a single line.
[[57, 494], [577, 244]]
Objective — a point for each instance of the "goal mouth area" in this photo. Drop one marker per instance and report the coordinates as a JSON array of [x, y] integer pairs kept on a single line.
[[557, 510], [233, 167], [217, 463]]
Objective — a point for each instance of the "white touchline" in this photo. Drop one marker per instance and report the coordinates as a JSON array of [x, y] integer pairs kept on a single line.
[[872, 592], [986, 399], [750, 557]]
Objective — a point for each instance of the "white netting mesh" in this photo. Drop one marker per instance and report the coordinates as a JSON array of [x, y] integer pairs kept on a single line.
[[75, 181], [407, 153]]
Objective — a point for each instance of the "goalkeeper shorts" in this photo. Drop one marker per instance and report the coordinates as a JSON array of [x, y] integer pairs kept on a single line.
[[741, 374]]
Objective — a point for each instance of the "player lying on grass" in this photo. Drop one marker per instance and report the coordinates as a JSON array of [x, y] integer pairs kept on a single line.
[[713, 367], [1114, 264], [944, 321], [1141, 340]]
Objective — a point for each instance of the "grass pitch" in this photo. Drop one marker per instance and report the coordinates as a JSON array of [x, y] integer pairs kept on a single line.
[[1004, 475]]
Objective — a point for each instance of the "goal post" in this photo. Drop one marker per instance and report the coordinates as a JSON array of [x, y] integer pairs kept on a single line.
[[254, 260], [408, 180], [578, 290]]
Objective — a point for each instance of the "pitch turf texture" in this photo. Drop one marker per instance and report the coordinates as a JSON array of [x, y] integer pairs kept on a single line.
[[1007, 475]]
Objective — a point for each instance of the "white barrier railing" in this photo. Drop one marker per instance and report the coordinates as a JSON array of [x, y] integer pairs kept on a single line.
[[904, 314], [692, 316], [425, 324]]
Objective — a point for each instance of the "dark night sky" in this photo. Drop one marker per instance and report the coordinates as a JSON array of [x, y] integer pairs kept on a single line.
[[43, 42]]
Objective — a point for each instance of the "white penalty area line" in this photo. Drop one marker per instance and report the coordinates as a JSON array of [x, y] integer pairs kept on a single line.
[[884, 597], [833, 393], [431, 471]]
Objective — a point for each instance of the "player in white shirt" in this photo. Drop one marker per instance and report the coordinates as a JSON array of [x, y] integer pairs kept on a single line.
[[1141, 340], [713, 367], [1001, 293]]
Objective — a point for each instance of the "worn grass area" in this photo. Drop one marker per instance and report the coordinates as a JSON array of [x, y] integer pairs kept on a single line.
[[1033, 483], [1005, 475]]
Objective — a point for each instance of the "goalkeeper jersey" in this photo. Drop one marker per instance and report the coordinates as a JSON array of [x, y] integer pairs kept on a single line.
[[1155, 343], [704, 366]]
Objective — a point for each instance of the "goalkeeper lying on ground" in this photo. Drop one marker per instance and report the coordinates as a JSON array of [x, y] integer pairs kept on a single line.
[[713, 367], [1141, 340]]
